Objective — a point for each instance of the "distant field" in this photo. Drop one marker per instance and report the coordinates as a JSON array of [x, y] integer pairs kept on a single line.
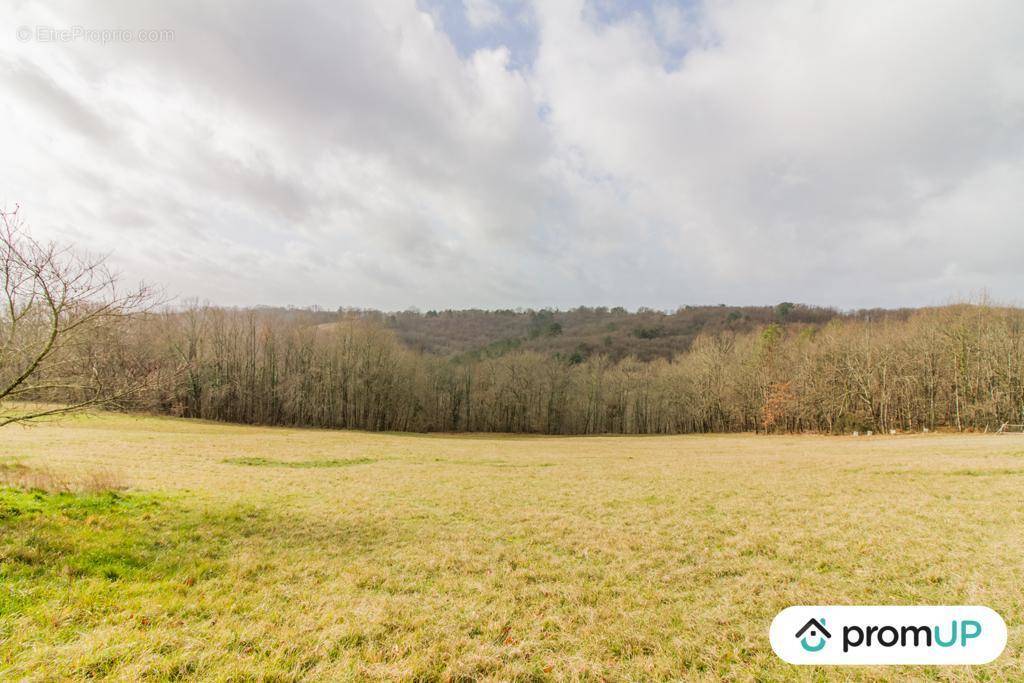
[[280, 554]]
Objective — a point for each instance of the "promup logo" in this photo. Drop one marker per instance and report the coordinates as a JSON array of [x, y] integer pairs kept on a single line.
[[888, 635], [817, 631]]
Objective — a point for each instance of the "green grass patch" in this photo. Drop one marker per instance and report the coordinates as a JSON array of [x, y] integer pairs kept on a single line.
[[113, 579], [46, 536], [300, 464], [68, 561], [15, 502], [60, 549]]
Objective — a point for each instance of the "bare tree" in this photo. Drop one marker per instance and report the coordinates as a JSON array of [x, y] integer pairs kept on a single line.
[[57, 301]]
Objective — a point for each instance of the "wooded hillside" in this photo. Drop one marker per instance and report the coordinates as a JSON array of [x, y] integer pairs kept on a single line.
[[957, 367], [579, 333]]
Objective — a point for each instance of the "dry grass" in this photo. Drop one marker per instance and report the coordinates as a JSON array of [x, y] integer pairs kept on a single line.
[[483, 557], [15, 474]]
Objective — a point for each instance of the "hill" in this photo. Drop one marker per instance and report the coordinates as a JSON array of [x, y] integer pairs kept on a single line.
[[578, 333]]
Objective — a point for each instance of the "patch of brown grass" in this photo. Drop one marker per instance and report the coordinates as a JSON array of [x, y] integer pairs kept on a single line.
[[45, 478]]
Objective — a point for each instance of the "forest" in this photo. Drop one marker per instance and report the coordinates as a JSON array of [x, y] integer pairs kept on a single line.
[[72, 336], [957, 367]]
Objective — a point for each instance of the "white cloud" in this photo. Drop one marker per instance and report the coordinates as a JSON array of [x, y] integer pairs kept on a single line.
[[737, 151], [783, 154]]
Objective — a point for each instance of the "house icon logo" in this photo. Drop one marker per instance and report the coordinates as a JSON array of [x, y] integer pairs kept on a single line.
[[815, 631]]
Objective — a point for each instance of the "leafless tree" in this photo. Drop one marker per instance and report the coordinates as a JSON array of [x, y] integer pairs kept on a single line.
[[59, 305]]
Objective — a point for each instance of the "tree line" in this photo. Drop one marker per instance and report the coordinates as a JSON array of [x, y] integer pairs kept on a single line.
[[957, 367], [71, 337]]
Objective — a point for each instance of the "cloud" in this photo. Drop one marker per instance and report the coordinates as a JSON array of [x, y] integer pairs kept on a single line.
[[801, 140], [670, 153]]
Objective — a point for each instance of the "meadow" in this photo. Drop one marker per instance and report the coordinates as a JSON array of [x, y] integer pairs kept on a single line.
[[137, 548]]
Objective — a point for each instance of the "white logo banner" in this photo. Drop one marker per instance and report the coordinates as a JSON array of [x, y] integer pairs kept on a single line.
[[888, 635]]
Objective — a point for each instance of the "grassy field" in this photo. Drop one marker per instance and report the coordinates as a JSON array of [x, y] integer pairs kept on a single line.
[[241, 553]]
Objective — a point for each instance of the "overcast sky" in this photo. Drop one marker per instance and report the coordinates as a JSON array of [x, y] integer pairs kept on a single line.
[[457, 153]]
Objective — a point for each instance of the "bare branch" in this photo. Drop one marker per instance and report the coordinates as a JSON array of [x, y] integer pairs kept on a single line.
[[53, 296]]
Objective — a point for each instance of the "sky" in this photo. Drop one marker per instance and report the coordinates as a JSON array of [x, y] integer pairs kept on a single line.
[[485, 153]]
